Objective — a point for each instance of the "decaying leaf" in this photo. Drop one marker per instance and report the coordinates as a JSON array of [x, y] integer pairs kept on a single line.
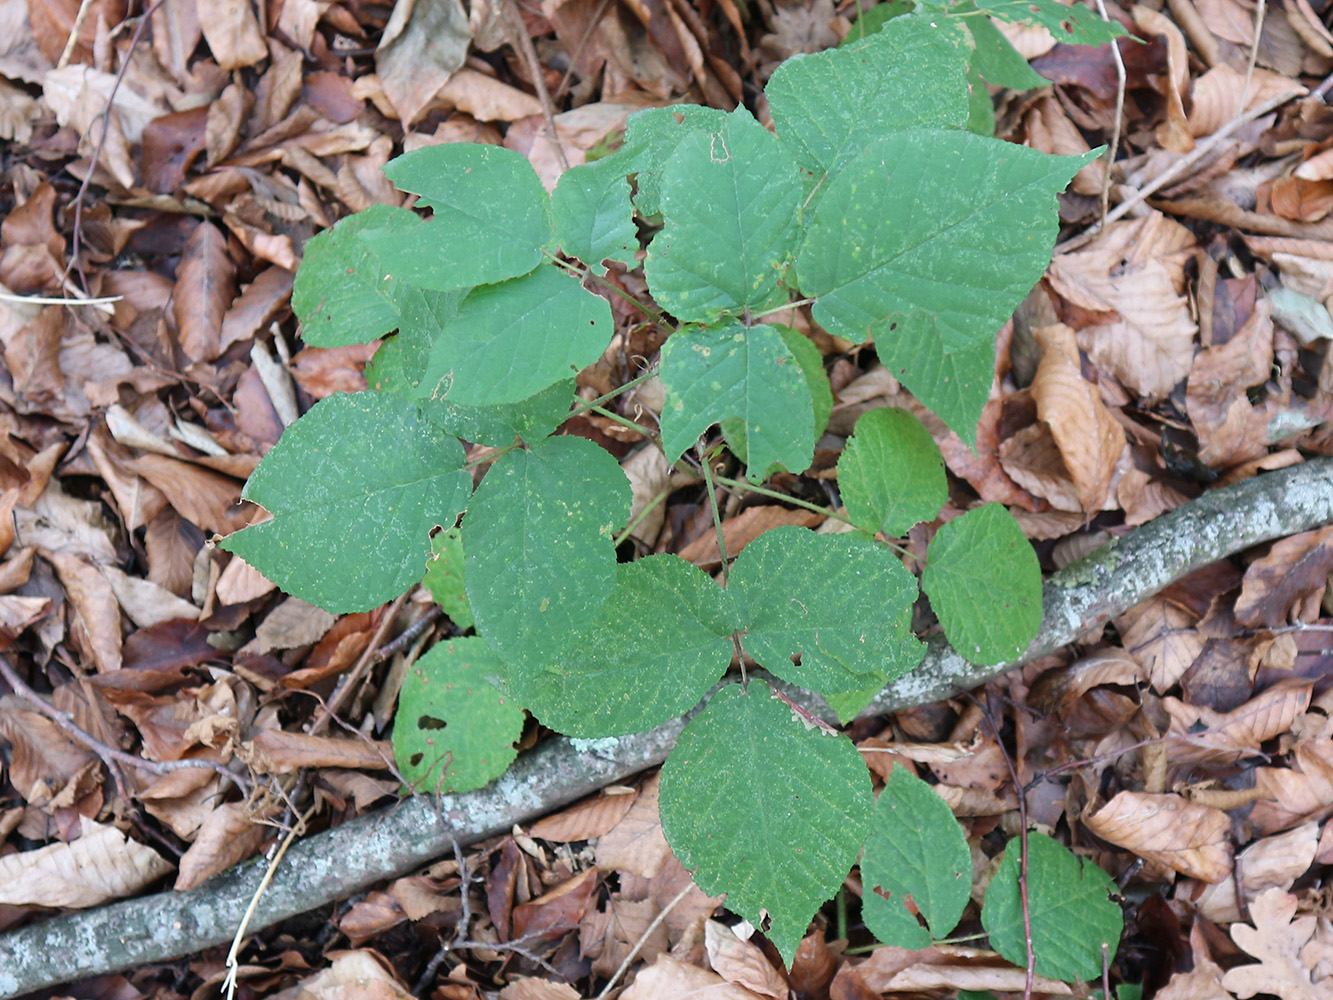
[[101, 865]]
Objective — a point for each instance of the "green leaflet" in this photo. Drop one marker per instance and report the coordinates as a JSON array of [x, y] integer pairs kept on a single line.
[[984, 583], [537, 543], [916, 848], [444, 576], [891, 473], [355, 487], [662, 640], [1074, 23], [713, 373], [840, 601], [454, 731], [342, 293], [938, 283], [1070, 908], [763, 808], [730, 197], [593, 218], [509, 341], [823, 105], [651, 136], [457, 181]]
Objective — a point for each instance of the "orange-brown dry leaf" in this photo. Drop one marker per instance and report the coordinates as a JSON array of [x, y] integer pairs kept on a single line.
[[584, 820], [95, 623], [100, 866], [1294, 569], [205, 286], [44, 759], [741, 962], [1278, 938], [1057, 689], [1300, 199], [182, 799], [671, 979], [206, 499], [233, 34], [1088, 436], [229, 835], [1161, 636], [607, 936], [1190, 838], [278, 751], [813, 967], [1174, 133], [1292, 795], [1049, 129], [538, 989], [1272, 862], [1135, 273], [1217, 94], [741, 530], [558, 911], [1224, 736], [1203, 982], [1031, 458], [1221, 374], [370, 917], [353, 975], [949, 968]]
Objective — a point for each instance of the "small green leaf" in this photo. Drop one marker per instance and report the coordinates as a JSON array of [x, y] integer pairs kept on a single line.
[[593, 218], [474, 238], [712, 373], [873, 19], [453, 731], [942, 281], [1070, 908], [821, 394], [910, 76], [355, 487], [762, 808], [342, 293], [916, 848], [512, 340], [444, 576], [1072, 23], [730, 198], [954, 384], [840, 601], [984, 582], [537, 543], [663, 639], [980, 106], [891, 473], [996, 59], [651, 136]]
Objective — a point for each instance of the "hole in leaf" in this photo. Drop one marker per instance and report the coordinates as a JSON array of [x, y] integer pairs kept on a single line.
[[430, 722], [415, 759]]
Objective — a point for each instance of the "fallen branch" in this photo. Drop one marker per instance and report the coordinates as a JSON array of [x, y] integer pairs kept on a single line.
[[340, 862]]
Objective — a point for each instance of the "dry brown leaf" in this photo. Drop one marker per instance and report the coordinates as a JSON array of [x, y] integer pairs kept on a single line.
[[1192, 839], [292, 624], [1271, 862], [229, 835], [560, 910], [1088, 436], [584, 820], [741, 530], [1276, 938], [1294, 569], [949, 968], [671, 979], [538, 989], [1204, 981], [233, 34], [1221, 374], [741, 962], [1224, 736], [44, 760], [1049, 129], [1161, 636], [96, 621], [1032, 459], [422, 44], [353, 975], [144, 602], [100, 866], [1174, 133], [636, 843], [1295, 794], [1218, 92], [277, 751], [205, 286], [207, 499]]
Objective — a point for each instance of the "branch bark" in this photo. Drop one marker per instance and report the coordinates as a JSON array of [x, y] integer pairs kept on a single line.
[[332, 865]]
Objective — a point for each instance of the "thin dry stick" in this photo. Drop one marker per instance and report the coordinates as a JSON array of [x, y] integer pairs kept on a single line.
[[1119, 115], [409, 635], [109, 754], [1021, 792], [362, 667], [523, 42], [643, 939], [1176, 169], [74, 32], [1254, 54]]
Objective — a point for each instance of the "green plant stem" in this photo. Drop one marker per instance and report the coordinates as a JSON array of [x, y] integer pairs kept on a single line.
[[654, 314], [706, 460], [586, 405], [781, 309], [638, 518], [490, 458], [622, 421]]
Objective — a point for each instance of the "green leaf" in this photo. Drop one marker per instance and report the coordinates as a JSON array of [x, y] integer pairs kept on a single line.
[[342, 293], [512, 340], [444, 576], [916, 848], [712, 373], [760, 807], [1074, 23], [821, 394], [474, 237], [537, 543], [1072, 914], [874, 19], [651, 136], [891, 473], [730, 197], [980, 106], [422, 315], [955, 385], [840, 601], [996, 59], [941, 281], [453, 731], [593, 218], [984, 582], [355, 487], [663, 639], [909, 76]]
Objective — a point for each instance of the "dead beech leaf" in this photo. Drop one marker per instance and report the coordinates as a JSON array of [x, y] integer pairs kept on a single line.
[[207, 499], [233, 34], [277, 751], [96, 620], [1162, 637], [421, 46], [1031, 458], [534, 988], [1174, 133], [947, 968], [741, 962], [1088, 436], [558, 911], [354, 974], [144, 601], [1216, 94], [1277, 938], [1295, 794], [205, 286], [741, 530], [1185, 836], [636, 844], [100, 866], [671, 979], [1271, 862], [1293, 569], [229, 835], [584, 820], [1223, 736]]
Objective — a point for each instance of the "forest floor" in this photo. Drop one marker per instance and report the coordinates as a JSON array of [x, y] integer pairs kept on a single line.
[[1186, 747]]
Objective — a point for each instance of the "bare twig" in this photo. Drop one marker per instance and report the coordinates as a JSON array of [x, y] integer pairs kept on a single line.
[[1259, 11], [1119, 115], [348, 683], [75, 30], [410, 634], [521, 40], [643, 939]]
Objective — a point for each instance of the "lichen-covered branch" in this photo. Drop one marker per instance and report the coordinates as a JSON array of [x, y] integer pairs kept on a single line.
[[339, 862]]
